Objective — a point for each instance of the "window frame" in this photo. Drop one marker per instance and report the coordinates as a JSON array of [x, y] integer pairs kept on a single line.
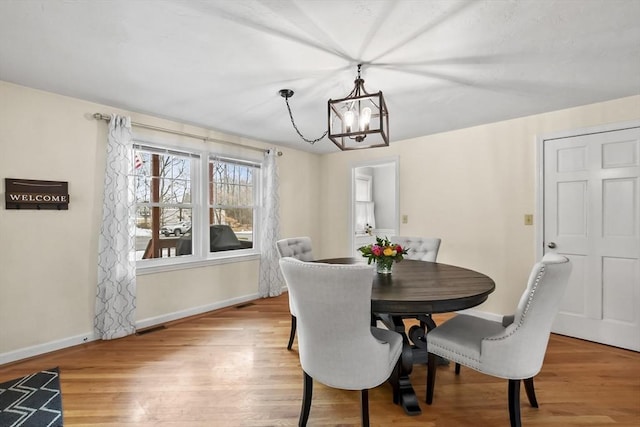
[[255, 206], [366, 180], [199, 204]]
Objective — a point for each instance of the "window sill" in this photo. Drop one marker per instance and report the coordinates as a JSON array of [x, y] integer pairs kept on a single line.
[[151, 267]]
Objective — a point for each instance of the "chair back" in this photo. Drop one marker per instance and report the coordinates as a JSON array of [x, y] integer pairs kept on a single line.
[[295, 247], [518, 351], [335, 342], [419, 248], [298, 248]]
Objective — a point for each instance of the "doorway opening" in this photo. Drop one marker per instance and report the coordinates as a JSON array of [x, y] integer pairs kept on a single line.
[[375, 202]]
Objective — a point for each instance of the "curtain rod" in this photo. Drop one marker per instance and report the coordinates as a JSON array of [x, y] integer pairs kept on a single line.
[[99, 116]]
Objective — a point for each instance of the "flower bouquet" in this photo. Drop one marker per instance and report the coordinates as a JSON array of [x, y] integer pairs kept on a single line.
[[384, 253]]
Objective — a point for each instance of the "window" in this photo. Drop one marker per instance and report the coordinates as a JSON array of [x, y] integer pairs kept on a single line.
[[183, 215], [364, 207], [232, 200], [363, 188]]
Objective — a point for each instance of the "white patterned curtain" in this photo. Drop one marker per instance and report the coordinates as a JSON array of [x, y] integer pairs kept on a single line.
[[270, 281], [116, 294]]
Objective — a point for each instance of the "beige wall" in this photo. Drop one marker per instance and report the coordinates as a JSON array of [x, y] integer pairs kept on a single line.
[[472, 188], [48, 258]]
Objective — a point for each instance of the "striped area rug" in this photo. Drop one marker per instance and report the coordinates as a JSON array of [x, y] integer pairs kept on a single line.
[[32, 401]]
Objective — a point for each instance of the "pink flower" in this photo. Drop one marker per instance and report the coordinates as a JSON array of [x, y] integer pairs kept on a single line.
[[376, 250], [399, 249]]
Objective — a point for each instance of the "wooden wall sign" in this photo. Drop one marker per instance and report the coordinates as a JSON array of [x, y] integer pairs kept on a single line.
[[33, 194]]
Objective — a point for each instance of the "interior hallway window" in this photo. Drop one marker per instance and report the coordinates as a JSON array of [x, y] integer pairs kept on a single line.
[[364, 208]]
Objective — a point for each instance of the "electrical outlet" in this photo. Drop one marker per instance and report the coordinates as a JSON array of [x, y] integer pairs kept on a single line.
[[405, 219], [528, 219]]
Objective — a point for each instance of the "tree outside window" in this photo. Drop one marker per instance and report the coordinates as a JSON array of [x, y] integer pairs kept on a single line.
[[162, 182], [167, 195], [232, 197]]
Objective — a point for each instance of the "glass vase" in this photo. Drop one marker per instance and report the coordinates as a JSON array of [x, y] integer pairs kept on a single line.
[[384, 266]]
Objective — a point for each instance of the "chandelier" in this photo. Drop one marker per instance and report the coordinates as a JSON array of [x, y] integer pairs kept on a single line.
[[359, 120]]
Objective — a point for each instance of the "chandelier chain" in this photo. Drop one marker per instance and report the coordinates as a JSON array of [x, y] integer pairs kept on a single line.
[[310, 141]]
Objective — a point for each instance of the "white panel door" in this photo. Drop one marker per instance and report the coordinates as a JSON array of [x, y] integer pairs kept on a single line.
[[592, 215]]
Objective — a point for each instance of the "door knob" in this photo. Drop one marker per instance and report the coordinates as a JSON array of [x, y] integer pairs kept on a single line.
[[551, 245]]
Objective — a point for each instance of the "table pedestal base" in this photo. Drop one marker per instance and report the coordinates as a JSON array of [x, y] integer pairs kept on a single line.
[[411, 354], [416, 353], [408, 399]]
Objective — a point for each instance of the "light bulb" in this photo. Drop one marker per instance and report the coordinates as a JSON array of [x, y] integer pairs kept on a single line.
[[348, 120], [365, 118]]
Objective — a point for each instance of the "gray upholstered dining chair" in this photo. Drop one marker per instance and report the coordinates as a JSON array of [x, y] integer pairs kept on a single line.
[[299, 248], [513, 349], [419, 248], [336, 344]]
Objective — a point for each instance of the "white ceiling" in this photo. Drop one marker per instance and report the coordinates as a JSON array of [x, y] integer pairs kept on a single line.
[[441, 64]]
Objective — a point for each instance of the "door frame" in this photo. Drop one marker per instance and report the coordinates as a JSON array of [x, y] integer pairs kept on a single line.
[[395, 160], [539, 190]]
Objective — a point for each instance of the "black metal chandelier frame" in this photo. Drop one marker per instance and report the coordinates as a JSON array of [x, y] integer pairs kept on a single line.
[[368, 133], [368, 111]]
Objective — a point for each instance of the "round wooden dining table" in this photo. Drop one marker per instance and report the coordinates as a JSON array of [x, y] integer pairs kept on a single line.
[[415, 290]]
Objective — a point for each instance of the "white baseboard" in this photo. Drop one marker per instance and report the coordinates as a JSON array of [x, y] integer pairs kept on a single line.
[[39, 349], [36, 350], [169, 317]]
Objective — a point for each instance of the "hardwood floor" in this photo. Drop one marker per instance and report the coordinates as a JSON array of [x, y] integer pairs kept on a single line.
[[231, 368]]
